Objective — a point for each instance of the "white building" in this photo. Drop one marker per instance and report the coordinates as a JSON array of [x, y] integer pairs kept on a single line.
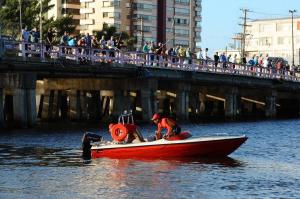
[[274, 37]]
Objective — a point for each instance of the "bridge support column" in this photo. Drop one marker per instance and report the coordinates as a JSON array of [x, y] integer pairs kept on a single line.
[[271, 105], [46, 105], [1, 109], [148, 98], [202, 98], [20, 107], [149, 106], [31, 107], [75, 105], [83, 105], [94, 106], [231, 103], [119, 100], [194, 103], [182, 102]]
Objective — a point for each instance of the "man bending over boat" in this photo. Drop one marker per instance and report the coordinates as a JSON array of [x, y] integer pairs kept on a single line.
[[165, 123]]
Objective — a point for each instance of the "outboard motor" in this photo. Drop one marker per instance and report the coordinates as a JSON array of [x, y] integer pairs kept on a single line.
[[86, 143]]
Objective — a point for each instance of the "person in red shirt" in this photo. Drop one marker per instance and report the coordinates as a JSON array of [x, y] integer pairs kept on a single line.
[[165, 123]]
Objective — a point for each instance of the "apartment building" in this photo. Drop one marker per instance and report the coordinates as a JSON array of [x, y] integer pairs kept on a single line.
[[65, 7], [274, 37], [175, 22]]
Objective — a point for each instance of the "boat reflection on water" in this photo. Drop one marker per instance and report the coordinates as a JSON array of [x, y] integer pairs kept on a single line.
[[221, 161]]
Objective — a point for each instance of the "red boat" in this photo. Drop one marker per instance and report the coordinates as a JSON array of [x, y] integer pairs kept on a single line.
[[215, 146], [179, 146]]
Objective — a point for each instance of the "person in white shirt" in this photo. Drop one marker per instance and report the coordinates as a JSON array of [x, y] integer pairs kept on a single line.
[[111, 43]]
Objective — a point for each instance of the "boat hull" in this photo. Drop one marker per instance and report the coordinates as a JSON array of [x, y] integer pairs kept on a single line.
[[168, 149]]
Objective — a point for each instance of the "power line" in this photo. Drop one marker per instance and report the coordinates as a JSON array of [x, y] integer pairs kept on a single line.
[[273, 14]]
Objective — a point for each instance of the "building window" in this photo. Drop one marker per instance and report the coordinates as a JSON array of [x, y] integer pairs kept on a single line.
[[105, 14], [183, 1], [266, 28], [181, 32], [280, 40], [182, 11], [70, 11], [181, 42], [265, 41], [106, 4]]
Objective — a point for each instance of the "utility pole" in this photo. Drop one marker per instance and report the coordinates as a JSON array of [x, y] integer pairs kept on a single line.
[[244, 34], [20, 5], [173, 25], [41, 21], [131, 11], [293, 49], [142, 32]]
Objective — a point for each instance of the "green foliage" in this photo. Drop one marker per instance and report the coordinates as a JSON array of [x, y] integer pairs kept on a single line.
[[64, 24], [109, 31], [10, 15]]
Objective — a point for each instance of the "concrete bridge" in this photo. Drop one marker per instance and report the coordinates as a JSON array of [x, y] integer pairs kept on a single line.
[[80, 84]]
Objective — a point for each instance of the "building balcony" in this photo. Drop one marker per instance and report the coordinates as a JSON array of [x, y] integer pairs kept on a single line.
[[87, 10], [86, 1], [87, 22]]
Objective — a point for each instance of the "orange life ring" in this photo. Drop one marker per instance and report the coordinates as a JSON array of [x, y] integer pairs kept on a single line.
[[119, 132]]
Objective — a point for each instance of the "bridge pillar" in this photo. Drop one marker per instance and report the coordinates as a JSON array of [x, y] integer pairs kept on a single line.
[[202, 98], [148, 98], [271, 105], [19, 107], [182, 101], [31, 107], [75, 105], [1, 108], [46, 105], [231, 103], [149, 106], [194, 99], [83, 105], [94, 106], [119, 100]]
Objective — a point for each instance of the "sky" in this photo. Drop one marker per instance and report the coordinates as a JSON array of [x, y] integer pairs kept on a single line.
[[221, 18]]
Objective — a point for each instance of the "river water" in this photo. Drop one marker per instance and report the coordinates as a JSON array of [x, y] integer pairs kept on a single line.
[[47, 163]]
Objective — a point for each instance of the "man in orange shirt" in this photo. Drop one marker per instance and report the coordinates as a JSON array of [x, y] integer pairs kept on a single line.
[[165, 123]]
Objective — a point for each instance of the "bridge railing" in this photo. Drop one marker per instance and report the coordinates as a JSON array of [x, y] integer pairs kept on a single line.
[[84, 55]]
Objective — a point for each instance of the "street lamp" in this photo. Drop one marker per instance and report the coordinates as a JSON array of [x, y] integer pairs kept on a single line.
[[293, 60]]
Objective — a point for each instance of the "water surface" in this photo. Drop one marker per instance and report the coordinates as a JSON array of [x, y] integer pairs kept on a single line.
[[47, 163]]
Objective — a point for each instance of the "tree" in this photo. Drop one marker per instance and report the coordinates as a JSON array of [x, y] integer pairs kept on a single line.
[[10, 15], [64, 24], [122, 37]]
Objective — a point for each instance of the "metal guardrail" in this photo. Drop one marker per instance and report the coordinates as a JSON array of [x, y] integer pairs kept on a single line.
[[83, 55]]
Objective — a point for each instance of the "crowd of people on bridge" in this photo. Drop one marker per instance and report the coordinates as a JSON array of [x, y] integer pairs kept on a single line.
[[154, 53]]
